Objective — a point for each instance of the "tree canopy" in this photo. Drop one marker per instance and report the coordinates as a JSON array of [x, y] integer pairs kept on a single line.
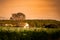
[[18, 16]]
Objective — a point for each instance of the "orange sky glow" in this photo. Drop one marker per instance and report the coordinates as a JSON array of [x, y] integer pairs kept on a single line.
[[33, 9]]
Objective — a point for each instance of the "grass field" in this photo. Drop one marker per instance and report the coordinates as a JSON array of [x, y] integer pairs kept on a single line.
[[17, 29], [38, 32], [18, 33]]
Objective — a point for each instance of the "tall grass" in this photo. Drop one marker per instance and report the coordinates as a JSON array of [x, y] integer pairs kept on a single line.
[[18, 33]]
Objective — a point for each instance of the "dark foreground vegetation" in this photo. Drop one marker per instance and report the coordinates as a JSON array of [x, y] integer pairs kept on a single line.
[[35, 34]]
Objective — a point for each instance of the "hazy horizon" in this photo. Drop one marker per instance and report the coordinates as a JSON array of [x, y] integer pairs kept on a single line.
[[33, 9]]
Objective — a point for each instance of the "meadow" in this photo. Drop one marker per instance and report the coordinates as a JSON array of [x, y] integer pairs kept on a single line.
[[37, 31], [17, 33]]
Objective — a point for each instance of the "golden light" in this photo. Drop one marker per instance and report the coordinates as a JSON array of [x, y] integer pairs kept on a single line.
[[33, 9]]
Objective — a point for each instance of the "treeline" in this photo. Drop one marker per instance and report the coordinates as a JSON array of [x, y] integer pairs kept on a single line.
[[44, 23], [35, 23]]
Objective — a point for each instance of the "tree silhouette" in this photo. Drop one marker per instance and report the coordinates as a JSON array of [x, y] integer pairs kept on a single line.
[[18, 16]]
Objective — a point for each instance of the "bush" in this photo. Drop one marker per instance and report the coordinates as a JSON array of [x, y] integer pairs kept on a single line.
[[51, 26]]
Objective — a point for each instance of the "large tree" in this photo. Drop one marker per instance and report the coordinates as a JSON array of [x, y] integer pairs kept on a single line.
[[18, 16]]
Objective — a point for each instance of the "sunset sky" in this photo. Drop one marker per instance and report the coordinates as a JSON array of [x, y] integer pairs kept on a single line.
[[33, 9]]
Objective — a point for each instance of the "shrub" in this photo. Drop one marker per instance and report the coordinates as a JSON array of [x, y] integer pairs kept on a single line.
[[51, 26]]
